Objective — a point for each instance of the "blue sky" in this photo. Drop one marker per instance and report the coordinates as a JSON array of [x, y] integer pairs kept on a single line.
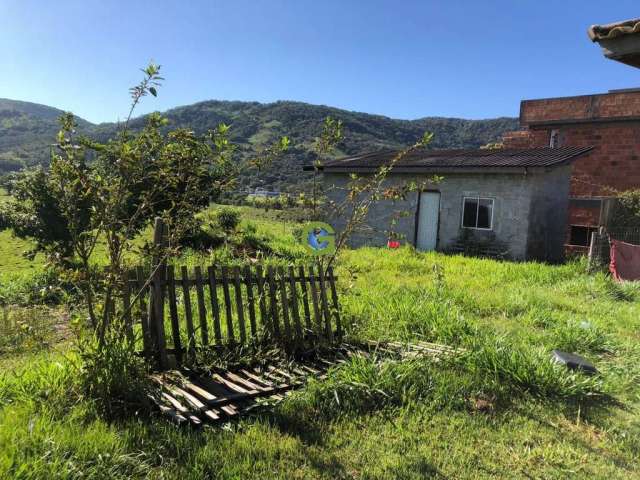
[[404, 59]]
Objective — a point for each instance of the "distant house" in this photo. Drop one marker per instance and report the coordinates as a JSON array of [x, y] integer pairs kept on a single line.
[[261, 193], [506, 202]]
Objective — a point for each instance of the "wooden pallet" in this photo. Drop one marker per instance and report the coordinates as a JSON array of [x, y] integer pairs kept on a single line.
[[188, 397]]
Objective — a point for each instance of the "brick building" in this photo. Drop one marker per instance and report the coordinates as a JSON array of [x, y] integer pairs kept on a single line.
[[608, 122]]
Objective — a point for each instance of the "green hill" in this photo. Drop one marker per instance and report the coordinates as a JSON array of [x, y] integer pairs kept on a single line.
[[27, 130]]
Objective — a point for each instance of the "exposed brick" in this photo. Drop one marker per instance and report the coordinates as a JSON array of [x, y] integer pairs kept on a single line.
[[613, 165]]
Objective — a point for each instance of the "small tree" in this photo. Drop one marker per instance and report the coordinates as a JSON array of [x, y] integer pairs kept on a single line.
[[106, 193], [324, 146]]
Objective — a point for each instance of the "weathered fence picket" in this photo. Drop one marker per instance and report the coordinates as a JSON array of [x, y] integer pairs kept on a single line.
[[270, 306]]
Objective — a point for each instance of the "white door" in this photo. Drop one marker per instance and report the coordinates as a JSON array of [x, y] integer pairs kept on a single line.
[[428, 220]]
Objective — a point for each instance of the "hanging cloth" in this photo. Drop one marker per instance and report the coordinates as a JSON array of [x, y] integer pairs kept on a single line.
[[625, 260]]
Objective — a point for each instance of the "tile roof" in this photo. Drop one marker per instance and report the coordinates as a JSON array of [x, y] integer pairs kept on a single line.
[[613, 30], [433, 160]]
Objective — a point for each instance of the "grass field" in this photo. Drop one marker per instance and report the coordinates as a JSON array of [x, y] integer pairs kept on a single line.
[[503, 412]]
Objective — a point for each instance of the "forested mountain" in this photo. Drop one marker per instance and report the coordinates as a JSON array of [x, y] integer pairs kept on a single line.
[[27, 130]]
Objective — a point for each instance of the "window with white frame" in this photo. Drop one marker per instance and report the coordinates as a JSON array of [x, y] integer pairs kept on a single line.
[[477, 212]]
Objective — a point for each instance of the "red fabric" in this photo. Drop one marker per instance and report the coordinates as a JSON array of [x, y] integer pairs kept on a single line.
[[625, 260]]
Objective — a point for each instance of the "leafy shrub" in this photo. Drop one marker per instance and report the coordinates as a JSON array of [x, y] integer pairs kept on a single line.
[[113, 377], [200, 239], [228, 219]]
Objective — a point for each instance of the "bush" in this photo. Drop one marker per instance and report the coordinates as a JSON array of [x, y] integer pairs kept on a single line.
[[200, 239], [228, 219], [113, 377]]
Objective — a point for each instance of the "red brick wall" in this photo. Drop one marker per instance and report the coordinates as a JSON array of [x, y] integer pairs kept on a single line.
[[613, 165], [587, 107]]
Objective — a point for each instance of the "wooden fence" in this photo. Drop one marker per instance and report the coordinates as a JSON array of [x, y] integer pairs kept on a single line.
[[229, 306]]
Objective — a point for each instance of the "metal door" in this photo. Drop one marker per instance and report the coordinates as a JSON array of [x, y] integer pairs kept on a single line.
[[428, 210]]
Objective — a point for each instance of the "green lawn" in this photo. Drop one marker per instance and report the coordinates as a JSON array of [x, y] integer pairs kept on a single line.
[[421, 422]]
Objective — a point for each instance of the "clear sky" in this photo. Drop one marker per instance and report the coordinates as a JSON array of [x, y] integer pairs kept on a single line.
[[404, 59]]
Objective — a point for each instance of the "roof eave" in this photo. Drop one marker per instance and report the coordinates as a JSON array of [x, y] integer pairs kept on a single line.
[[619, 41], [445, 170], [341, 168]]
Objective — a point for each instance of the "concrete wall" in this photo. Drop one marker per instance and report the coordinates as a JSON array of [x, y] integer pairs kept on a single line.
[[548, 214], [514, 214]]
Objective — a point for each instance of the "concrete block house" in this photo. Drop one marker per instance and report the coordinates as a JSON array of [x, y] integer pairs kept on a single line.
[[542, 195], [510, 203]]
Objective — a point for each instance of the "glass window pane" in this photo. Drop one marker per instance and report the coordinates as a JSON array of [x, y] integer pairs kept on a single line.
[[470, 213], [484, 213]]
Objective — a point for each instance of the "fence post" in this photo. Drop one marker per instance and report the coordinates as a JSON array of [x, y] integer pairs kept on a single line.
[[156, 305], [592, 251]]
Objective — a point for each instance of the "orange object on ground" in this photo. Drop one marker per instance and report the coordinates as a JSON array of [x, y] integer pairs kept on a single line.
[[625, 260]]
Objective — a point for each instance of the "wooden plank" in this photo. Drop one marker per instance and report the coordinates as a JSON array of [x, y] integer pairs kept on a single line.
[[191, 400], [294, 304], [200, 392], [175, 403], [336, 304], [285, 303], [202, 310], [236, 386], [218, 389], [159, 273], [144, 319], [326, 313], [191, 335], [264, 317], [171, 413], [227, 304], [215, 307], [209, 384], [173, 313], [314, 297], [258, 378], [243, 381], [239, 308], [305, 298], [274, 323], [250, 300], [126, 308]]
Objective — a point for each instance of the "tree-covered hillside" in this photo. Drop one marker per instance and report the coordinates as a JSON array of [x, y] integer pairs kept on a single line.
[[27, 130]]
